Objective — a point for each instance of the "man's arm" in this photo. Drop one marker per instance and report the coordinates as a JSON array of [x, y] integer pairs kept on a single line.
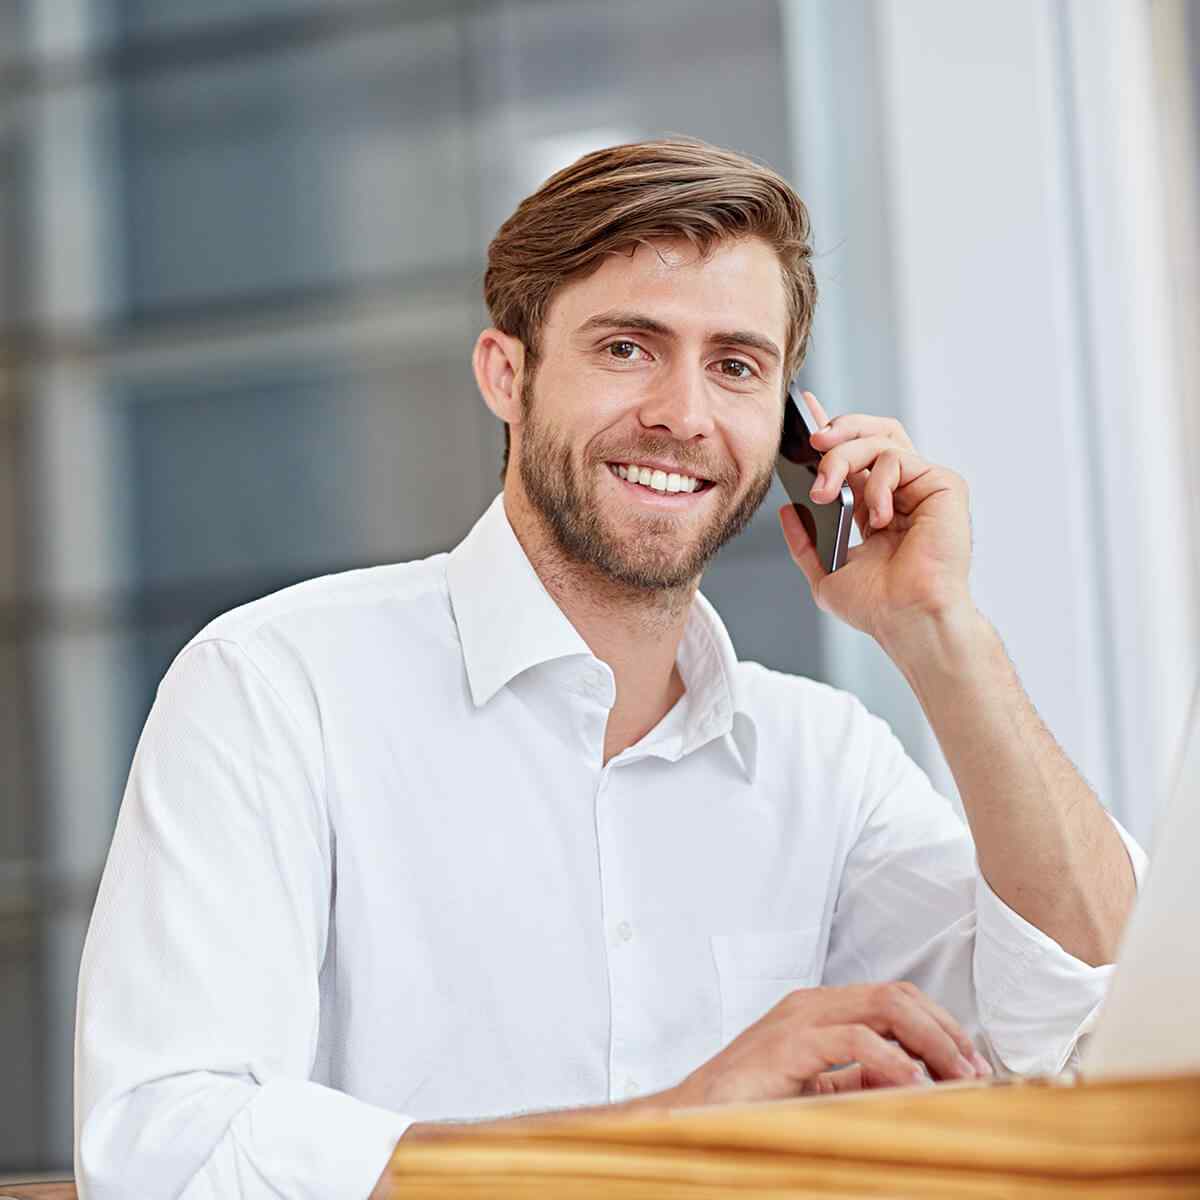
[[913, 904], [1045, 845], [794, 1050], [198, 1004]]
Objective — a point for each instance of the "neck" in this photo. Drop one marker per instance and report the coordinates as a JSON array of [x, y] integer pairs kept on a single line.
[[636, 632]]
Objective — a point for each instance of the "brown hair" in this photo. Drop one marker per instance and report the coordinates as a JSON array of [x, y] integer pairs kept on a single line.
[[615, 198]]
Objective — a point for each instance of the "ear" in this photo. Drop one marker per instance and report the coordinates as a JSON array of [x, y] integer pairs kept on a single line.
[[499, 362]]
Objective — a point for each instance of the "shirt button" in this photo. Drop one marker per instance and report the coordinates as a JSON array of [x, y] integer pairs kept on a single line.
[[625, 931], [631, 1087]]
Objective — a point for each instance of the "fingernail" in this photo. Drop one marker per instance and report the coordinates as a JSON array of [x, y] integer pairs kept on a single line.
[[918, 1076], [964, 1067], [981, 1064], [819, 484]]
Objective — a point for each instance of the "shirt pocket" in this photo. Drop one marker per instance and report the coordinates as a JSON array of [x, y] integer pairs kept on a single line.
[[756, 971]]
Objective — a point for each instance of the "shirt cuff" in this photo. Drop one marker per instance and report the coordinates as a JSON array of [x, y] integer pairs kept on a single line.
[[1036, 1001], [313, 1141]]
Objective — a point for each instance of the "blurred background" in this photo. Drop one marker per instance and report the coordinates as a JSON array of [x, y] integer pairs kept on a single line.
[[241, 254]]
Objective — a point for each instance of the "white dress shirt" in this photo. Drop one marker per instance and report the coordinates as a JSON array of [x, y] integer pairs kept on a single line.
[[370, 867]]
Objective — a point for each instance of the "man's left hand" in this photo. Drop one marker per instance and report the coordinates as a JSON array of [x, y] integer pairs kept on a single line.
[[913, 518]]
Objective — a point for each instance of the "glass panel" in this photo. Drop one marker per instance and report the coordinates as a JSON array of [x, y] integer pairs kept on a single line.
[[341, 162], [141, 18], [16, 786], [21, 997], [14, 31], [555, 80], [269, 477], [12, 530], [14, 218]]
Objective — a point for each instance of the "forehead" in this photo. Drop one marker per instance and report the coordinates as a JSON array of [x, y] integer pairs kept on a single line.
[[739, 283]]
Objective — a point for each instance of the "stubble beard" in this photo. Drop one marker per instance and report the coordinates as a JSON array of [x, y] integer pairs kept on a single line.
[[648, 557]]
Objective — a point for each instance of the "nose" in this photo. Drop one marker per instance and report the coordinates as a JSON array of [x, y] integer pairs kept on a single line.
[[679, 401]]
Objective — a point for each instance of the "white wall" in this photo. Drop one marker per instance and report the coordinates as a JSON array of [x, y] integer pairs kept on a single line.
[[985, 178]]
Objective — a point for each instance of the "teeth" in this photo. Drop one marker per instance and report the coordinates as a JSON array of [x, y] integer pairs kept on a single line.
[[659, 481]]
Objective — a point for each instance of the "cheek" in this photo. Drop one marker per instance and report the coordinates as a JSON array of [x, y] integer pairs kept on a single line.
[[581, 403], [754, 441]]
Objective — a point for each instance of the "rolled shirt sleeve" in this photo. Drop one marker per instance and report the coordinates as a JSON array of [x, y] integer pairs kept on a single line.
[[198, 1008], [912, 904], [1037, 1002]]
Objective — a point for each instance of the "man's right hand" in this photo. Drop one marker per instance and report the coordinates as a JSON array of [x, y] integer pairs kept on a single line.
[[789, 1051]]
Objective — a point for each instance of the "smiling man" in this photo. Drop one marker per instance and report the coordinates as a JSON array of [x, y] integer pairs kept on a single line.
[[644, 431], [512, 829]]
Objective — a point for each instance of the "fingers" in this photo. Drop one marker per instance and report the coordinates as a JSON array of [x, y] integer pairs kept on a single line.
[[965, 1046], [821, 1040], [883, 480], [925, 1029], [853, 1078], [863, 454], [881, 1060], [820, 416], [925, 1038], [858, 425], [845, 1058], [900, 1010], [914, 492], [832, 430], [857, 447]]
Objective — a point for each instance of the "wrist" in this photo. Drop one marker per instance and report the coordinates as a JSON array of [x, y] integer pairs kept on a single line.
[[657, 1102], [678, 1096], [938, 643]]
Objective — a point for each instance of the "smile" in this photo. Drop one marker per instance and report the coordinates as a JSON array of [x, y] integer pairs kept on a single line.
[[657, 479], [659, 487]]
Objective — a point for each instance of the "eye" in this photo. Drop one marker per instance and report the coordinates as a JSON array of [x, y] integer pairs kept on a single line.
[[747, 371], [623, 349]]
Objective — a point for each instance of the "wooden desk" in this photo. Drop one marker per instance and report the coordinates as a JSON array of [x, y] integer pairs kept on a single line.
[[58, 1189], [1033, 1139]]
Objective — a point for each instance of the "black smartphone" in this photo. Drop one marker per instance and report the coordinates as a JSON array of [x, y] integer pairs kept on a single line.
[[827, 525]]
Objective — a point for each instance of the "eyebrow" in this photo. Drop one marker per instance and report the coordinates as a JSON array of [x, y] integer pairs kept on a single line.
[[636, 320]]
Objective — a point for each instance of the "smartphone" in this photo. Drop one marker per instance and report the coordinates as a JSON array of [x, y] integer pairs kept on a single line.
[[827, 525]]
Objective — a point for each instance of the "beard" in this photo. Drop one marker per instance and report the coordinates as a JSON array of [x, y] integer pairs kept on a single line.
[[652, 554]]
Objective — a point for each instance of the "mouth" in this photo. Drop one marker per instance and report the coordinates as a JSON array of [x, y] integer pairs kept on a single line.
[[658, 487]]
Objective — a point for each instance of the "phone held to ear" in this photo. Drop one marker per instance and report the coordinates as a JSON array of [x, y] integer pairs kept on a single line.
[[827, 525]]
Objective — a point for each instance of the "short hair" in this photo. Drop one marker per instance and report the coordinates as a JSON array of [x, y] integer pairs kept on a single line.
[[620, 196]]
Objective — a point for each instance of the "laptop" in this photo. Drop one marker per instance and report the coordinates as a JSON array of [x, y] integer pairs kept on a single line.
[[1150, 1021]]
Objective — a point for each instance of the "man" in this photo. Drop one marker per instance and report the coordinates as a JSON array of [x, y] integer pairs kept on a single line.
[[512, 829]]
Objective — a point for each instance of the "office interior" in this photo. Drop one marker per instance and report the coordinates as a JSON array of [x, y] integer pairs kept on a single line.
[[241, 255]]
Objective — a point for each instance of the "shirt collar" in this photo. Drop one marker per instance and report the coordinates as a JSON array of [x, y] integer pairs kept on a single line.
[[708, 664], [508, 622]]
